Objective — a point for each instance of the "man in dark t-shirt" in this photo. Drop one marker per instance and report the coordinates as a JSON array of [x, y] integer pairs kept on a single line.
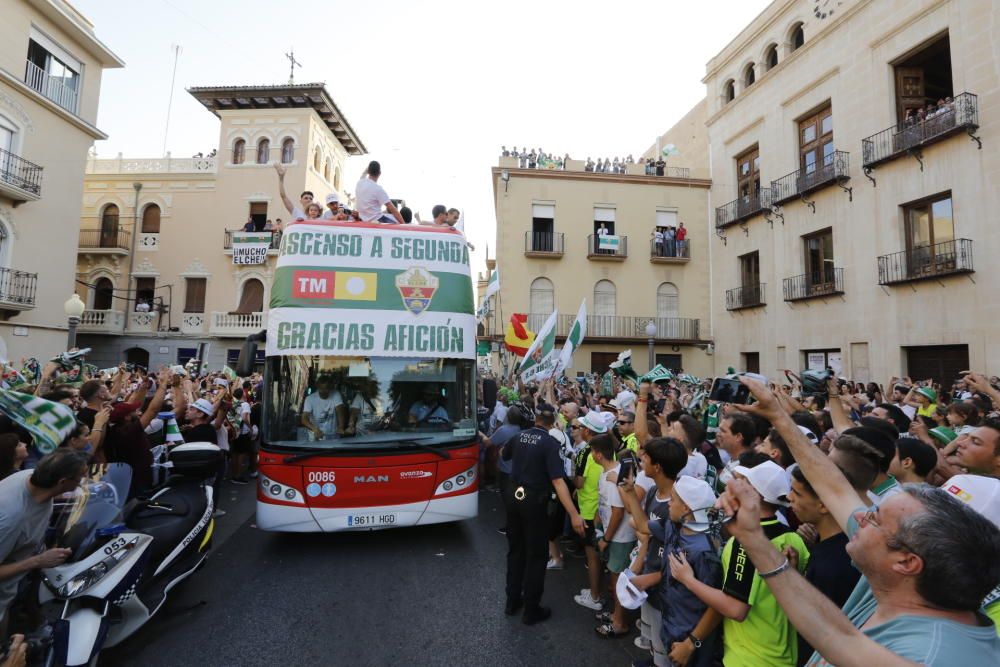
[[199, 416]]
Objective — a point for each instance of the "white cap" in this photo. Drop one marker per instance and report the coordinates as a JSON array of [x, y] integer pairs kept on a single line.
[[697, 494], [809, 434], [980, 493], [221, 382], [609, 419], [205, 406], [332, 197], [629, 596], [593, 421], [769, 480], [615, 405]]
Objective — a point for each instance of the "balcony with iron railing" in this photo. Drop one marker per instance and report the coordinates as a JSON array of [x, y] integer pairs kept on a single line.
[[617, 253], [835, 169], [814, 285], [111, 241], [926, 262], [664, 253], [52, 87], [909, 138], [543, 244], [747, 296], [20, 180], [620, 327], [227, 242], [17, 290], [743, 208]]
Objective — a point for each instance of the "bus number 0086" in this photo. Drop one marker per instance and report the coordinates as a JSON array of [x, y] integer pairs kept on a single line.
[[322, 476]]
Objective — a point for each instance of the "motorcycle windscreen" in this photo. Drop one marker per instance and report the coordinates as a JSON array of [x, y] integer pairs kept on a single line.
[[78, 516]]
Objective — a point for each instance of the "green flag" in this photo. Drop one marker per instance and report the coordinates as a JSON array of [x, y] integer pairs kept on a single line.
[[657, 374], [48, 421], [608, 384], [623, 366], [540, 357], [574, 338]]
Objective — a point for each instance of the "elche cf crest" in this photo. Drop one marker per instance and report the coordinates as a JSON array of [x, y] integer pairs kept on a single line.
[[417, 286]]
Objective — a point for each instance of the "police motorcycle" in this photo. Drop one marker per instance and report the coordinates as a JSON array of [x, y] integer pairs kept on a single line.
[[126, 556]]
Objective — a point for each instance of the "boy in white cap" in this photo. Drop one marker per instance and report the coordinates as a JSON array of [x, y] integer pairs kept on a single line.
[[755, 629], [333, 211]]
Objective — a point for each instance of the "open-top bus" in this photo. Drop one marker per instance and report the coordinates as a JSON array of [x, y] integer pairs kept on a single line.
[[369, 405]]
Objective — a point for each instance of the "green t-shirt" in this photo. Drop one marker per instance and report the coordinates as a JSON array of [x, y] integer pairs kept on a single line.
[[586, 495], [933, 642], [766, 637]]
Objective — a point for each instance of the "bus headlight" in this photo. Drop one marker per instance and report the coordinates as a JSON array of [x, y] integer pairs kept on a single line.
[[278, 491], [457, 482]]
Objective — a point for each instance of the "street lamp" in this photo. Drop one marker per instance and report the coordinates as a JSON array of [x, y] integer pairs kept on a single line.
[[73, 308], [650, 338]]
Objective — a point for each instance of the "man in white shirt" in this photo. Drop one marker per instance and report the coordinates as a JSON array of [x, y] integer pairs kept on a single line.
[[691, 433], [323, 411], [333, 210], [306, 198], [371, 197]]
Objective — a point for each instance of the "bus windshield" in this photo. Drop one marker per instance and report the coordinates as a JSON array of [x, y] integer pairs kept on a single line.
[[358, 403]]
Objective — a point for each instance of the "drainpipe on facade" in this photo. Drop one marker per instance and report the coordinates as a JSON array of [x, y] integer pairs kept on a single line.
[[711, 266], [130, 304]]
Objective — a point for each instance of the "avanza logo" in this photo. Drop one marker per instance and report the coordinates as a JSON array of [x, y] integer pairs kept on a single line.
[[371, 479], [415, 474]]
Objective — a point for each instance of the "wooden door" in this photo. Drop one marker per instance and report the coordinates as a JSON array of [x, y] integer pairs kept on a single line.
[[910, 90]]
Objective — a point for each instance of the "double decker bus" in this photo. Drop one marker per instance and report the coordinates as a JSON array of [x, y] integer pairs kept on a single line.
[[369, 401]]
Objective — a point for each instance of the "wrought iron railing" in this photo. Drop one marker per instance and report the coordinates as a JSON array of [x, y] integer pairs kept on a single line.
[[18, 287], [16, 171], [227, 243], [619, 326], [50, 86], [927, 261], [827, 282], [105, 238], [835, 168], [544, 242], [747, 296], [961, 114], [594, 249], [743, 208], [670, 249]]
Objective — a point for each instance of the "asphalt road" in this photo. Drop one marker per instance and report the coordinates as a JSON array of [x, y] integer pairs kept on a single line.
[[430, 595]]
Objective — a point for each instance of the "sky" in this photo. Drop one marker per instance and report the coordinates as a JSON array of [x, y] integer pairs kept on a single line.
[[432, 88]]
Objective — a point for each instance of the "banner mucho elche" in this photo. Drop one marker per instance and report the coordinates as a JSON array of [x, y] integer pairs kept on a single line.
[[250, 247], [387, 291]]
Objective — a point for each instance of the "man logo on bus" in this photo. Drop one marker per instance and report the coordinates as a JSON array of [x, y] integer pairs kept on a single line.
[[417, 286]]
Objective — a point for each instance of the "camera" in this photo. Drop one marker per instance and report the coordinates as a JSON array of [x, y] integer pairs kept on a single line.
[[814, 382], [726, 390]]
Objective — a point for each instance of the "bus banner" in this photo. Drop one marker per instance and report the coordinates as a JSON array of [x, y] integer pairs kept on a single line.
[[347, 289]]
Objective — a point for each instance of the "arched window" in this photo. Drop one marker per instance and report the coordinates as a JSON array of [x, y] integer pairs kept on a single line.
[[542, 299], [288, 151], [771, 57], [729, 91], [252, 297], [316, 159], [263, 151], [109, 226], [239, 151], [104, 294], [326, 171], [797, 37], [749, 76], [336, 178], [151, 219], [605, 307]]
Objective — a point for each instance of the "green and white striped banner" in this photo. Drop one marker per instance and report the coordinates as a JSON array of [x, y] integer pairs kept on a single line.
[[49, 422], [358, 290]]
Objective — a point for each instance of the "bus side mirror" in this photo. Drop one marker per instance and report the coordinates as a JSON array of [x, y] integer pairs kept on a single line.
[[248, 354]]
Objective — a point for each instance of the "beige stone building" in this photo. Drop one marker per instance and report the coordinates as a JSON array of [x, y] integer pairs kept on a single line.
[[159, 232], [51, 63], [549, 254], [849, 235]]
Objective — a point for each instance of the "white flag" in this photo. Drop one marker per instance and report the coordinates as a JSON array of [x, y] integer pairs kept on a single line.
[[493, 286], [574, 338], [540, 357]]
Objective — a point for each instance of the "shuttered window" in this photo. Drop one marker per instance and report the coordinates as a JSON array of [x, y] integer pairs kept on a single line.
[[194, 295]]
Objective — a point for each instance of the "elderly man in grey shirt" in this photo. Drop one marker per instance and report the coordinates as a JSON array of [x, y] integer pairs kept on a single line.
[[25, 508]]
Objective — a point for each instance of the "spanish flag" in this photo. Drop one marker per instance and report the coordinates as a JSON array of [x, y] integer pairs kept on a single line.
[[518, 337]]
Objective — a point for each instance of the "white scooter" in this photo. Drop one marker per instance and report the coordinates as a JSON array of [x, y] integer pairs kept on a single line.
[[126, 557]]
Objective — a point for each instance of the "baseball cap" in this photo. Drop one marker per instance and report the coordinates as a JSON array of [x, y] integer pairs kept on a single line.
[[122, 410], [980, 493], [769, 480], [697, 494], [592, 421], [613, 404], [629, 596], [332, 197], [221, 382], [943, 434], [204, 406], [928, 393]]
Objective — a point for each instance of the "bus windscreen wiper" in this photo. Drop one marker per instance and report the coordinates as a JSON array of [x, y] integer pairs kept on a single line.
[[408, 439]]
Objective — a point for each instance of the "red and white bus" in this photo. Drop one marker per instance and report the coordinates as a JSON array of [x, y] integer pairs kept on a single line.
[[369, 403]]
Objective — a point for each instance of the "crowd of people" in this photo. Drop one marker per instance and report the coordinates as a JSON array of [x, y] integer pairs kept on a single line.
[[531, 158], [670, 241], [820, 522], [123, 414]]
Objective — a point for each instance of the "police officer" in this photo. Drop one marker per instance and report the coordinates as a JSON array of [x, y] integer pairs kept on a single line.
[[536, 469]]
